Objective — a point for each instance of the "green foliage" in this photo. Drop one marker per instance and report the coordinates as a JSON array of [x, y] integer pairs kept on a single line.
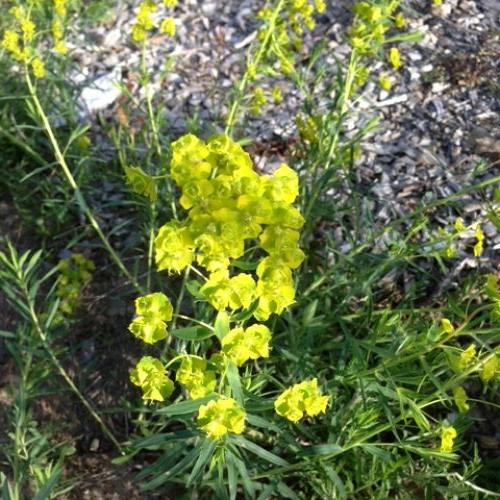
[[363, 378]]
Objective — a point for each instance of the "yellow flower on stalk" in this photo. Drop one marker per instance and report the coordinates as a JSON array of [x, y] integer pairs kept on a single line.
[[196, 377], [385, 82], [153, 311], [149, 374], [490, 369], [220, 417], [138, 33], [10, 43], [320, 6], [173, 247], [277, 95], [459, 225], [460, 398], [447, 326], [60, 48], [38, 68], [168, 26], [60, 7], [17, 12], [301, 399], [240, 345], [478, 247], [394, 57], [448, 435], [28, 28], [399, 20], [170, 3], [467, 357]]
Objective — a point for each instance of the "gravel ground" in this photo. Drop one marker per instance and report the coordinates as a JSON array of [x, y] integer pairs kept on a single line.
[[438, 123]]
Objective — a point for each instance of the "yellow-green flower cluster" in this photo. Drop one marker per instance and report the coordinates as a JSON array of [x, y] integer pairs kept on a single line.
[[195, 375], [153, 311], [240, 345], [150, 376], [448, 435], [140, 182], [460, 362], [75, 273], [144, 21], [301, 399], [296, 16], [16, 41], [229, 204], [220, 417], [367, 35], [491, 369], [460, 398], [459, 227]]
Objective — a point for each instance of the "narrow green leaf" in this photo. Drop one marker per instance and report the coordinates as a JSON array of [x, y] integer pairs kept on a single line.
[[205, 453], [286, 492], [184, 407], [260, 452], [232, 476], [174, 471], [263, 423], [221, 325], [157, 441], [245, 476], [193, 333], [335, 479], [321, 450], [49, 485], [234, 379]]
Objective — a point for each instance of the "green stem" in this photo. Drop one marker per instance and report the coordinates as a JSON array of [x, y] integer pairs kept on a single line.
[[72, 182], [43, 337], [240, 91]]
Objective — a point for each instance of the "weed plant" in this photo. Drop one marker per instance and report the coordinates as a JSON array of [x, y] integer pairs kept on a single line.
[[275, 362]]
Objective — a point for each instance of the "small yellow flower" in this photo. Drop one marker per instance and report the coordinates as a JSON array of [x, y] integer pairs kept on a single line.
[[320, 6], [168, 26], [448, 435], [385, 82], [10, 42], [149, 374], [460, 397], [277, 95], [138, 33], [60, 7], [170, 3], [220, 417], [467, 357], [447, 326], [303, 398], [38, 68], [28, 28], [399, 21], [459, 225], [57, 29], [60, 48], [394, 57], [490, 369], [478, 247]]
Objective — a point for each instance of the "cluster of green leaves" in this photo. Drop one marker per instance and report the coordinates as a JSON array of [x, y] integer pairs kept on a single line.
[[74, 273], [36, 464]]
